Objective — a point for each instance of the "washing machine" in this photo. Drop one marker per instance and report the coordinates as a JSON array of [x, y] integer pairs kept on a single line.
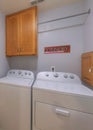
[[61, 102], [15, 100]]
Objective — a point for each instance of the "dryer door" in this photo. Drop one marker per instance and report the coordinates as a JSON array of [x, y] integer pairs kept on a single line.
[[50, 117]]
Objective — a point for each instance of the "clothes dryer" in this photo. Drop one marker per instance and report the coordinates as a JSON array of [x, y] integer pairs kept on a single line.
[[61, 102]]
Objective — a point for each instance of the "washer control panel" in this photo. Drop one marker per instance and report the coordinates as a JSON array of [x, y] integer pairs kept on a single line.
[[59, 76], [20, 73]]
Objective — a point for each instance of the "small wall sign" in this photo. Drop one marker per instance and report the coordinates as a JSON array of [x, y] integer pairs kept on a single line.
[[57, 49]]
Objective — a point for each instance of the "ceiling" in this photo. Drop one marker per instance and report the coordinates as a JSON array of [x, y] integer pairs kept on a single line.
[[11, 6]]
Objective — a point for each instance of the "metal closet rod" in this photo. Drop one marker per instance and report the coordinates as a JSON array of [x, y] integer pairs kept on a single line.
[[88, 12], [60, 28]]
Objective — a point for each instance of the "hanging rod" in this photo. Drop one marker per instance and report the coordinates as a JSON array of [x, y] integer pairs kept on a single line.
[[88, 12], [56, 29]]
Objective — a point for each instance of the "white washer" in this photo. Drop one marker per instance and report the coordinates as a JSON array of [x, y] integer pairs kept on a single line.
[[61, 102], [15, 100]]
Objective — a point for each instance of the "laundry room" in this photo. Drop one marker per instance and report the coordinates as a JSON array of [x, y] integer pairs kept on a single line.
[[65, 34], [45, 36], [69, 31]]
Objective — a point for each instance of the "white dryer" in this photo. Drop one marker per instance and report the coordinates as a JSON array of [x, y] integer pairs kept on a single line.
[[15, 100], [61, 102]]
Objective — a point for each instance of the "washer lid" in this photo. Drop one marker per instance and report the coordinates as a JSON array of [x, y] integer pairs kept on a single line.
[[63, 87], [17, 81], [18, 77]]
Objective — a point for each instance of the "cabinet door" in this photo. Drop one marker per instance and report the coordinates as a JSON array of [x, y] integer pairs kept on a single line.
[[87, 68], [12, 28], [28, 32]]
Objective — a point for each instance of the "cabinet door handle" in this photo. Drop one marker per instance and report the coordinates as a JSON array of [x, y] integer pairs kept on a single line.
[[62, 112], [90, 70]]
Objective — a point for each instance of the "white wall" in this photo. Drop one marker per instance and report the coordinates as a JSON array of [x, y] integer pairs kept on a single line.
[[88, 30], [24, 62], [70, 35], [3, 60]]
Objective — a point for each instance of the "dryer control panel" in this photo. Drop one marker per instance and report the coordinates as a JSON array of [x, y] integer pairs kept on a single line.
[[59, 76]]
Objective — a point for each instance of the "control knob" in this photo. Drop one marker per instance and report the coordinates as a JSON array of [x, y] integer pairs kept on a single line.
[[65, 76], [56, 75]]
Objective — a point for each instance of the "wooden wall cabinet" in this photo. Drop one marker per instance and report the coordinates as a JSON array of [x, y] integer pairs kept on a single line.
[[87, 68], [21, 33]]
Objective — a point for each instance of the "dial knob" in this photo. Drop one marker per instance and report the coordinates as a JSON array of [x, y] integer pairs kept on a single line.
[[72, 76], [65, 76], [47, 75], [56, 75]]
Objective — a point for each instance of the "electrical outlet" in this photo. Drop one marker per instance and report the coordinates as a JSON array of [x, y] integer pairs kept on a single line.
[[53, 68]]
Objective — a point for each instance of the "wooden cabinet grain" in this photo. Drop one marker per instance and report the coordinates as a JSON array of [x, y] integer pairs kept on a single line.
[[87, 68], [21, 33]]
